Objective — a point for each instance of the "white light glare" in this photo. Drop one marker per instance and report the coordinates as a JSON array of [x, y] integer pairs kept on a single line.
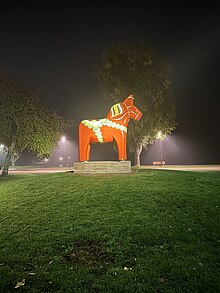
[[159, 135], [63, 139]]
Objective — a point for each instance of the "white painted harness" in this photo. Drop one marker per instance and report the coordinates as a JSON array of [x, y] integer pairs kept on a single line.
[[96, 125]]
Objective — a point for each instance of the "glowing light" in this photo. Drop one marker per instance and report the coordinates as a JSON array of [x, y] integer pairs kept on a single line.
[[60, 158], [63, 139], [46, 159], [159, 135]]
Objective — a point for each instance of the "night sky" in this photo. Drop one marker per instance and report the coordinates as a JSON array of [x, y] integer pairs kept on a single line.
[[56, 49]]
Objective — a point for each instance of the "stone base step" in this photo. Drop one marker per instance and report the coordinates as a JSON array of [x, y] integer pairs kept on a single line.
[[102, 167]]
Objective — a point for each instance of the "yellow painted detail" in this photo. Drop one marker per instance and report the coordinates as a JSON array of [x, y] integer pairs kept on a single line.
[[115, 107]]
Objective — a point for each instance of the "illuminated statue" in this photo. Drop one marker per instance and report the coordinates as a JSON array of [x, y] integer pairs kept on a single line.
[[112, 127]]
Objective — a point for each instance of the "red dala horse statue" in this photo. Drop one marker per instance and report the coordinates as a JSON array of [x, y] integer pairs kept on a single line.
[[112, 127]]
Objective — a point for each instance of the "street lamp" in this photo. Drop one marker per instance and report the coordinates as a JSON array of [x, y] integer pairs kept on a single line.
[[66, 151], [61, 158], [63, 139], [161, 137], [69, 161]]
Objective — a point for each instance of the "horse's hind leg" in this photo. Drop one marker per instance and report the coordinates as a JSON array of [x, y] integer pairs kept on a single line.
[[84, 140], [84, 150]]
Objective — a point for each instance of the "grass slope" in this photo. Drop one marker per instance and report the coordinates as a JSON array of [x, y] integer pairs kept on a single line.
[[150, 231]]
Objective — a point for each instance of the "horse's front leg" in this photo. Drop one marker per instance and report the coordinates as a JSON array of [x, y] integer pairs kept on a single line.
[[124, 139], [88, 151], [120, 139]]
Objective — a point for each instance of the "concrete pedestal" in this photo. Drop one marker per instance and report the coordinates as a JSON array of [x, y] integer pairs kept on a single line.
[[102, 167]]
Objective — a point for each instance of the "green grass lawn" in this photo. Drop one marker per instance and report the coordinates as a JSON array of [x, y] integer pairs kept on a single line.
[[149, 231]]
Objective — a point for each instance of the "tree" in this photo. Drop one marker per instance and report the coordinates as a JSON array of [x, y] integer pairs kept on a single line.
[[26, 123], [126, 69]]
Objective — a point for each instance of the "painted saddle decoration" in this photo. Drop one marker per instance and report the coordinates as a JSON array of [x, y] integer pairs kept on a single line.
[[112, 127]]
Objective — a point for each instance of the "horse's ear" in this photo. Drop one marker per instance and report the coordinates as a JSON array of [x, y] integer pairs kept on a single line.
[[129, 100]]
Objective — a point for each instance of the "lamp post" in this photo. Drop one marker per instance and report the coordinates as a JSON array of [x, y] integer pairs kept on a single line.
[[69, 161], [61, 158], [63, 140], [66, 152], [160, 136]]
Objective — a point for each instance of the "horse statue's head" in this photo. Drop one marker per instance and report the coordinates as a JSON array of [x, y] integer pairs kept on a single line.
[[125, 111], [133, 111]]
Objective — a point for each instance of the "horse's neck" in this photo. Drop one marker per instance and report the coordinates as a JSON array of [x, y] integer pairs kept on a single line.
[[122, 119]]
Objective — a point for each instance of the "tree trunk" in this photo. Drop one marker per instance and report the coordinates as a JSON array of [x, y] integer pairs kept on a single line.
[[14, 158], [137, 161], [8, 159]]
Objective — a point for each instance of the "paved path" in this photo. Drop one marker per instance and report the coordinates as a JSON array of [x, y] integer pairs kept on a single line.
[[196, 168], [27, 170]]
